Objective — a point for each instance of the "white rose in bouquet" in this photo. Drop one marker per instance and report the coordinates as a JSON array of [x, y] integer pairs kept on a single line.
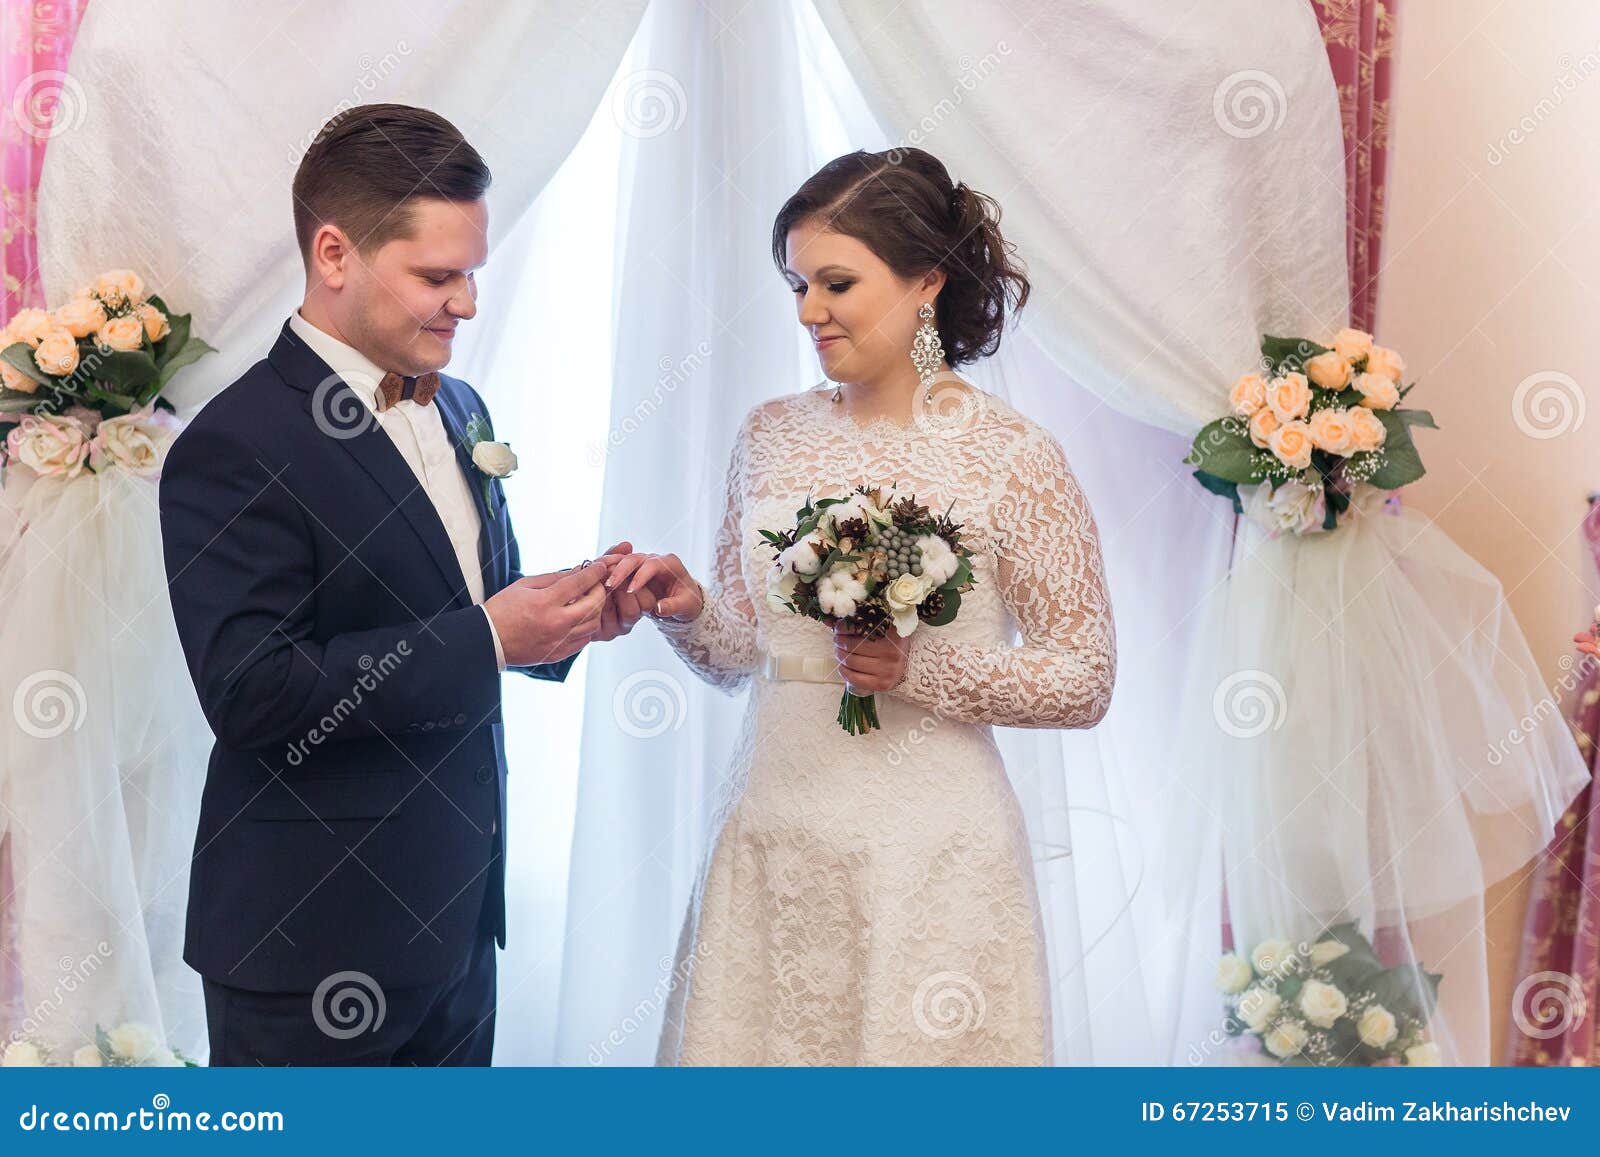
[[1377, 1027], [1286, 1039], [134, 1042], [1257, 1007], [1424, 1055], [1233, 974], [1322, 1003], [1271, 955], [136, 442], [88, 1057], [1325, 952], [780, 590], [903, 597], [23, 1054]]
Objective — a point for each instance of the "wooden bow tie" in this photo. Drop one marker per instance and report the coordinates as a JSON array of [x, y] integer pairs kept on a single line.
[[394, 388]]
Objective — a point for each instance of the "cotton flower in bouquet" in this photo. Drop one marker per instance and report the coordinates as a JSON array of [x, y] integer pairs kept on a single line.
[[1330, 1002], [871, 562], [83, 382], [1307, 431]]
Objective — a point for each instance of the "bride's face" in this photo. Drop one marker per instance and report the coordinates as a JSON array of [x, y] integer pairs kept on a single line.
[[861, 315], [401, 303]]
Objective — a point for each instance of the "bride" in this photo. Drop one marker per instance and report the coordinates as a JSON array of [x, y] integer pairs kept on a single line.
[[870, 899]]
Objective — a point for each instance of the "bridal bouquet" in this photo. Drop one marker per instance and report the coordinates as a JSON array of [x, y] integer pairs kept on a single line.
[[1313, 425], [874, 565], [83, 381], [1331, 1002]]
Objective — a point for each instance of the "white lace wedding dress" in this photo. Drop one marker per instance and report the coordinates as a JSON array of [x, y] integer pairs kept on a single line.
[[870, 899]]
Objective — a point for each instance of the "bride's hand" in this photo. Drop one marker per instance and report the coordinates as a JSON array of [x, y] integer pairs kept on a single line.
[[870, 665], [661, 583]]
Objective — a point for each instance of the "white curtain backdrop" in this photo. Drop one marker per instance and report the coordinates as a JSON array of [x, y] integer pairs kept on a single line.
[[1173, 171], [184, 133], [705, 330]]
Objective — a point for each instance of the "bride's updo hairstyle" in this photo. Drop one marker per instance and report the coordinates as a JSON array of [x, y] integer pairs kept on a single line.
[[903, 206]]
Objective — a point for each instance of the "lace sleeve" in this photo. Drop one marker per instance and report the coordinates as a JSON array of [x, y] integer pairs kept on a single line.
[[720, 644], [1052, 579]]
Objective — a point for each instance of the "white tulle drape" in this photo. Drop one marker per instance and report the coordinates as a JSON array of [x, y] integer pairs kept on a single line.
[[101, 763], [182, 138]]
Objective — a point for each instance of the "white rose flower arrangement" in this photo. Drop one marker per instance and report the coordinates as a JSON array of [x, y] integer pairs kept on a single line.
[[128, 1045], [490, 458], [1329, 1002], [1313, 428], [83, 382], [876, 564]]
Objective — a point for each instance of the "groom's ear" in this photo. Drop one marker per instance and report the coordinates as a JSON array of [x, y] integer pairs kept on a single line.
[[327, 257]]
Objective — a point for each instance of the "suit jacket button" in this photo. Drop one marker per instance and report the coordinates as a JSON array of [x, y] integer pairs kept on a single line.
[[485, 774]]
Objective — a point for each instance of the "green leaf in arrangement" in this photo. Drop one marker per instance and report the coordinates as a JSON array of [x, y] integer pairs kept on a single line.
[[1228, 490], [1416, 418], [193, 350], [961, 578], [19, 356], [1402, 464], [1289, 353], [119, 371], [177, 337], [1223, 450]]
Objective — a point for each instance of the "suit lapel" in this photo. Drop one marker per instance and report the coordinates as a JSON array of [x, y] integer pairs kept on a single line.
[[491, 534], [332, 405]]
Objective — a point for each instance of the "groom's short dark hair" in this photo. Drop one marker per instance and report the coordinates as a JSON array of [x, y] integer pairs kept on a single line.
[[368, 162]]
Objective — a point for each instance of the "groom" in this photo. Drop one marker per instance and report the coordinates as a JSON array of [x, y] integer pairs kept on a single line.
[[348, 590]]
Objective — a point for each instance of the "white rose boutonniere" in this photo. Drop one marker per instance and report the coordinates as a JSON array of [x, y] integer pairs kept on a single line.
[[492, 459]]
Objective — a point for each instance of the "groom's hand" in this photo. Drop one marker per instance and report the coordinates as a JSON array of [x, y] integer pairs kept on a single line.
[[544, 618], [621, 610]]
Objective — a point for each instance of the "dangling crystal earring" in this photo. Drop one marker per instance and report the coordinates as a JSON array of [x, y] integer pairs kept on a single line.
[[927, 351]]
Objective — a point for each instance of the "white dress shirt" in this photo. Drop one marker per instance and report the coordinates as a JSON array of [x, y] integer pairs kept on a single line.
[[419, 434]]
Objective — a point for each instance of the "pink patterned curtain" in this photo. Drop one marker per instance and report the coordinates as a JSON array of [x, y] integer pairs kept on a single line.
[[37, 99], [1360, 39], [1557, 998]]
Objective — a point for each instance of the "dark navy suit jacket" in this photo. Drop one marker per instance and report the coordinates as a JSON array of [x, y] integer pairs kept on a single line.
[[354, 808]]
